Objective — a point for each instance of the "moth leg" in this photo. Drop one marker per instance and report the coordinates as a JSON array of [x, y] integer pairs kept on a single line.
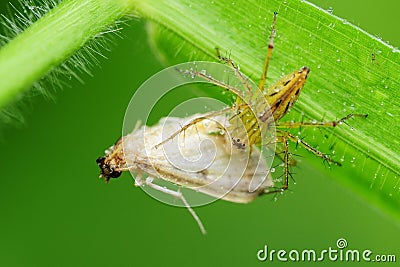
[[148, 182], [263, 79], [295, 139], [318, 123]]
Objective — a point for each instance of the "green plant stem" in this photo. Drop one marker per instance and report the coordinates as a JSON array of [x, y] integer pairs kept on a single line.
[[52, 39]]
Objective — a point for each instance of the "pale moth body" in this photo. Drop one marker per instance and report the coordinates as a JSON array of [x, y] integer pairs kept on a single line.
[[198, 158]]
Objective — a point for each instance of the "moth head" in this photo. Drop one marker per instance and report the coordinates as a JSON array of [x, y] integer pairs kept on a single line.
[[107, 170]]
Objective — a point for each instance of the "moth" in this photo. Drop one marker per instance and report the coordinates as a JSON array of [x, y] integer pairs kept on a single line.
[[223, 154]]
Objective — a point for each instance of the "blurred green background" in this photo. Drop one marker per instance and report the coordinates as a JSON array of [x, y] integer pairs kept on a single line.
[[55, 212]]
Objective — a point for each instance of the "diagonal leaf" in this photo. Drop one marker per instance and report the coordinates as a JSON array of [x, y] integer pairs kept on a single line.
[[351, 72]]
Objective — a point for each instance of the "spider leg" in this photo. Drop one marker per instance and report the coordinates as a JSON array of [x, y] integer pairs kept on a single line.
[[318, 123]]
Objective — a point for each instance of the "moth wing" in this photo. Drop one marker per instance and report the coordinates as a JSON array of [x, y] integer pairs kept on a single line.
[[200, 158]]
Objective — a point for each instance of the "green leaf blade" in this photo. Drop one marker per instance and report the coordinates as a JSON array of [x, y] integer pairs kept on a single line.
[[351, 72]]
